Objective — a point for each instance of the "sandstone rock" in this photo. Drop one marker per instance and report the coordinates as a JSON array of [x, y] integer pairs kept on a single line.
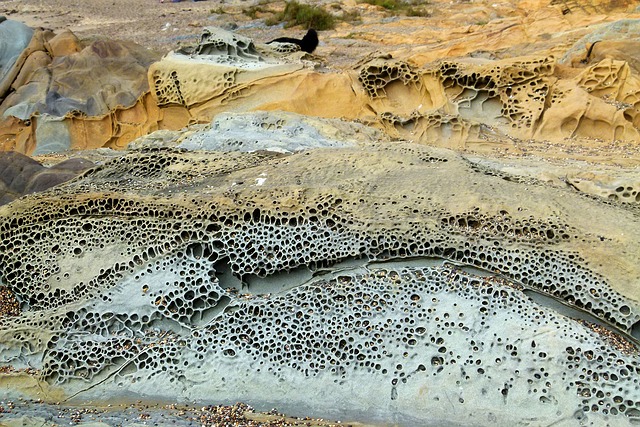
[[482, 104], [277, 131], [451, 103], [70, 94], [20, 175], [294, 280]]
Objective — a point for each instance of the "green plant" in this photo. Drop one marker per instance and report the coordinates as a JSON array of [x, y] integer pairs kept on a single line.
[[405, 7], [387, 4], [352, 17], [417, 12], [302, 14], [252, 12]]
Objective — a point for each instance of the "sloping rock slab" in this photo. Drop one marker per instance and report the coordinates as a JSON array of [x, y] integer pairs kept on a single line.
[[20, 175]]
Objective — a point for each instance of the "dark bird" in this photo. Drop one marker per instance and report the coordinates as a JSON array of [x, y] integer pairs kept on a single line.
[[589, 51], [308, 43]]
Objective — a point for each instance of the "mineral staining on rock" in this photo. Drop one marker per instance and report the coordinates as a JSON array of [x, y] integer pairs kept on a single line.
[[73, 94], [518, 103], [313, 278]]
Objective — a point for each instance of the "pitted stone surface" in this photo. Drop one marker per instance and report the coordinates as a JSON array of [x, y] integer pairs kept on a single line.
[[579, 107], [292, 280]]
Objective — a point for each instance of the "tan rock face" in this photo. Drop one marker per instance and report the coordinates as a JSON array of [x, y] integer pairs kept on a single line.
[[71, 94], [473, 104], [496, 104]]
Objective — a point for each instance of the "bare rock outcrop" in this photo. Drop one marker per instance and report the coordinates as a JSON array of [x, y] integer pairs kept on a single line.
[[529, 104], [20, 174], [71, 94], [293, 280], [536, 104], [432, 235]]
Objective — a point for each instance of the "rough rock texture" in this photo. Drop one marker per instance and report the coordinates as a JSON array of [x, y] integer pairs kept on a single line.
[[277, 131], [536, 104], [354, 272], [14, 39], [476, 104], [292, 280]]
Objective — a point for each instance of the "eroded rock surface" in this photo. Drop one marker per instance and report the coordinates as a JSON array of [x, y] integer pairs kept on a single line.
[[278, 131], [516, 104], [352, 271], [72, 94], [307, 280], [20, 175], [580, 103]]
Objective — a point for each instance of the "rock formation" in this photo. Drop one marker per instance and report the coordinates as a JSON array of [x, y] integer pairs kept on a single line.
[[430, 277], [518, 104], [20, 175], [410, 240], [67, 94]]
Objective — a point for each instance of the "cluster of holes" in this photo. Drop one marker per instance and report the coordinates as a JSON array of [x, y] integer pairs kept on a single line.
[[167, 88], [521, 86], [264, 241], [221, 43], [604, 76], [603, 367], [504, 226], [422, 155], [284, 48], [375, 77], [224, 47], [83, 359], [452, 75], [416, 120], [522, 104], [625, 193], [405, 325], [260, 242]]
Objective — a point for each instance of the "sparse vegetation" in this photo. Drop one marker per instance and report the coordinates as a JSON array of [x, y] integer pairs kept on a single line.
[[420, 12], [408, 8], [353, 16], [302, 14], [252, 12]]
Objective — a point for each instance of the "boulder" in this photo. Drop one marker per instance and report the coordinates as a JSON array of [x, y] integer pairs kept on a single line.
[[70, 94]]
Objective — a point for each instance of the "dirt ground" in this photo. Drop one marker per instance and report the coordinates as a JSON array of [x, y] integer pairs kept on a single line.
[[161, 24], [150, 23]]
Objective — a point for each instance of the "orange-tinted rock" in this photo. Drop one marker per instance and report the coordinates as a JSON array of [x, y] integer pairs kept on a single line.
[[63, 44]]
